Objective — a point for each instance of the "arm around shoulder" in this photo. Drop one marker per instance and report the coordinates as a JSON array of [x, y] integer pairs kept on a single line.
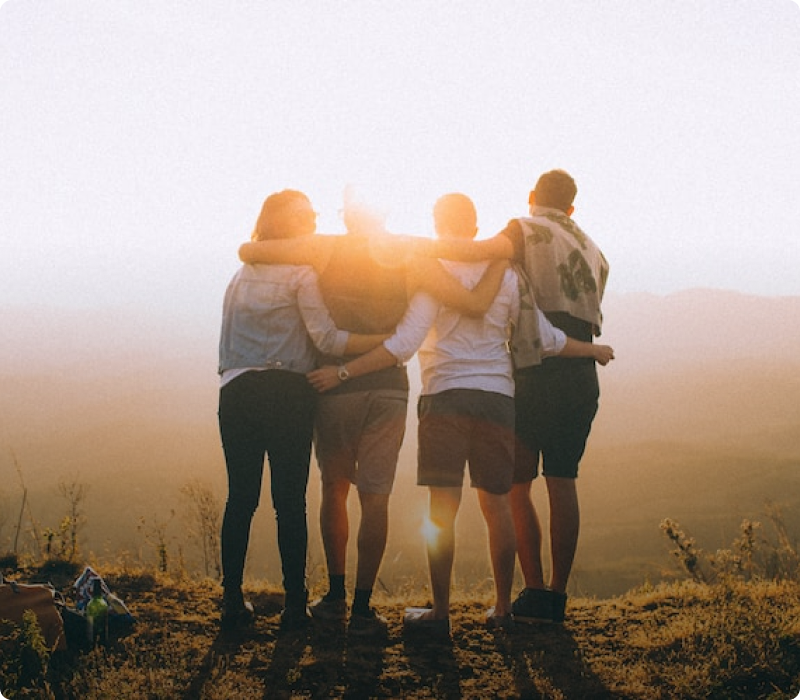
[[498, 247], [430, 276], [303, 250]]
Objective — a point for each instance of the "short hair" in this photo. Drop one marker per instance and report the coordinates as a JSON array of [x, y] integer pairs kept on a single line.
[[556, 189], [456, 214], [272, 219]]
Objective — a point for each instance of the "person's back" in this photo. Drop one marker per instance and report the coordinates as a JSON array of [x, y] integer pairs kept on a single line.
[[556, 402], [361, 423], [360, 293], [568, 272], [270, 316], [471, 353], [265, 321], [466, 418]]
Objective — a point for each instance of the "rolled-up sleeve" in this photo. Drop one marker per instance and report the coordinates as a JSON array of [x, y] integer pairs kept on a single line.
[[553, 339], [316, 317], [413, 327]]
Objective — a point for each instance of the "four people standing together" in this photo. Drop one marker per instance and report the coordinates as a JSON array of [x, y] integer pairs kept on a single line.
[[477, 407]]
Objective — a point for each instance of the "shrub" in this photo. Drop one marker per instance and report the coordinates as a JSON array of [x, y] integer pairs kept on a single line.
[[25, 658]]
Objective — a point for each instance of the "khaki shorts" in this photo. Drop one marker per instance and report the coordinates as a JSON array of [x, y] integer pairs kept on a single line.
[[358, 437]]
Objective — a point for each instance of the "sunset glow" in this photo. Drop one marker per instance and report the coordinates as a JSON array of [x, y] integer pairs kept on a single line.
[[143, 139]]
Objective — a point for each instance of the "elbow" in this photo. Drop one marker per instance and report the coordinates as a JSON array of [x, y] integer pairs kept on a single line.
[[246, 253]]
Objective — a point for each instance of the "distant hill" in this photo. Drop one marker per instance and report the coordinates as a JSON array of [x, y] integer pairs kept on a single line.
[[699, 405]]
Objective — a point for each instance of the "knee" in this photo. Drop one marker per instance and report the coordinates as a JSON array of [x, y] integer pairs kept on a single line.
[[242, 502]]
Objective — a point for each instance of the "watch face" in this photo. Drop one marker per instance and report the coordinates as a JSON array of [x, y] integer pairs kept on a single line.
[[343, 374]]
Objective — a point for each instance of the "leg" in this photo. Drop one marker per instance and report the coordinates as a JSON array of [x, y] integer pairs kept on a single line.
[[289, 449], [289, 466], [564, 528], [574, 402], [335, 528], [239, 510], [334, 524], [496, 510], [378, 445], [372, 533], [244, 461], [528, 534], [444, 503]]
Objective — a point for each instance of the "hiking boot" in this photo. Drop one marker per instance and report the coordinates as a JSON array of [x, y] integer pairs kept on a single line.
[[367, 623], [539, 605], [329, 610], [237, 614]]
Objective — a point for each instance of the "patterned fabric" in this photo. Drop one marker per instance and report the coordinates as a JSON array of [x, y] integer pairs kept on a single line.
[[526, 340], [567, 270]]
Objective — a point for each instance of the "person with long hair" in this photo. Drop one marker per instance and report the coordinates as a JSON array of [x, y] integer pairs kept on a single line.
[[273, 316]]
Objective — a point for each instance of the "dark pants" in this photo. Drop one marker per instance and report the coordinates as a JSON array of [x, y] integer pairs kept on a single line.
[[268, 412]]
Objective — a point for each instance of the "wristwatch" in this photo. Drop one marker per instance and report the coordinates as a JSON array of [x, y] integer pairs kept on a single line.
[[342, 373]]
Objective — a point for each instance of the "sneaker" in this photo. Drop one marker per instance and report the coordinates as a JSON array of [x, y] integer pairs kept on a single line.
[[294, 618], [559, 603], [329, 610], [367, 623], [417, 621], [498, 622], [237, 615], [539, 605]]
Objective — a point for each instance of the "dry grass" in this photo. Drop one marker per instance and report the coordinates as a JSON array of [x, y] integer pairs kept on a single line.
[[686, 640]]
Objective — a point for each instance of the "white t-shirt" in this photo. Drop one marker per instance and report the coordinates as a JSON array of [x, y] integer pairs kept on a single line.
[[461, 352]]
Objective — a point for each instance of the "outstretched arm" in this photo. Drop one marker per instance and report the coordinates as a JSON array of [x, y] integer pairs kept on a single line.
[[327, 377], [358, 343], [556, 342], [405, 341], [430, 276]]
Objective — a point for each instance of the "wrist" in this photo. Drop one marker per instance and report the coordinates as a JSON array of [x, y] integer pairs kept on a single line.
[[342, 373]]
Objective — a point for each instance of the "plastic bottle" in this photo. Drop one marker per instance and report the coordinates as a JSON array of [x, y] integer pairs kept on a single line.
[[97, 615]]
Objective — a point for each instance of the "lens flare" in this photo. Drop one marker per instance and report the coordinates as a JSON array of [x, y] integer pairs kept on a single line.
[[430, 531]]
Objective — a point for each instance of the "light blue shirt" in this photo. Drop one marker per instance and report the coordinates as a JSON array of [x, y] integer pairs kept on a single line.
[[272, 317]]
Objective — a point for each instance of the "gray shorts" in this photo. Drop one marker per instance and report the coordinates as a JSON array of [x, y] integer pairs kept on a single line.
[[358, 437], [466, 425]]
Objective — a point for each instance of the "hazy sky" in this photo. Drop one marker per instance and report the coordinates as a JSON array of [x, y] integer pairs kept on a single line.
[[138, 138]]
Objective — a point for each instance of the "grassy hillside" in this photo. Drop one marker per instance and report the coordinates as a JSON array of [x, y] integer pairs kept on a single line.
[[681, 640]]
